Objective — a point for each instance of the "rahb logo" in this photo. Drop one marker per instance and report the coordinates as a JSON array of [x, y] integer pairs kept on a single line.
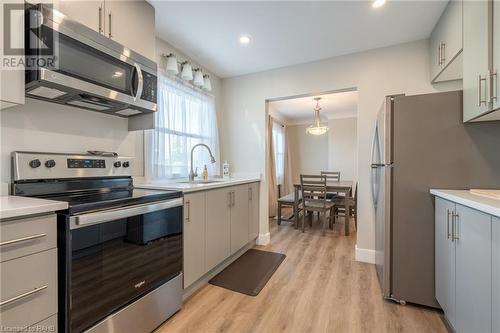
[[26, 42]]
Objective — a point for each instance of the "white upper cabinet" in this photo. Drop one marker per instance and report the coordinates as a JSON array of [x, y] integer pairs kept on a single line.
[[132, 23], [12, 80], [89, 13], [128, 22], [446, 44], [494, 92], [476, 58]]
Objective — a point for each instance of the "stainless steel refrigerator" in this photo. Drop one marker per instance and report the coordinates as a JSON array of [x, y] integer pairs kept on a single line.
[[419, 143]]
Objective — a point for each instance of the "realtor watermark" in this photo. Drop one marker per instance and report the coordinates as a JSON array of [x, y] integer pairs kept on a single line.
[[27, 42], [34, 328]]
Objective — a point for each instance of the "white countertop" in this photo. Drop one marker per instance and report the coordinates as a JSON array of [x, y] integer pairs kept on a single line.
[[464, 197], [13, 206], [192, 187]]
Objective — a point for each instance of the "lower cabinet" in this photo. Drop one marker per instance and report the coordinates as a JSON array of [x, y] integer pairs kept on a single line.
[[473, 270], [239, 217], [218, 226], [464, 266], [445, 258], [253, 213], [194, 237], [495, 260]]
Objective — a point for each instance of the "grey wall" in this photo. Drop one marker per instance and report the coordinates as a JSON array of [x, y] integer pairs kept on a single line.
[[343, 147], [309, 152]]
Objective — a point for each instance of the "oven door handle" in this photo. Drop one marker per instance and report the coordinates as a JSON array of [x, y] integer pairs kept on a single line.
[[78, 221]]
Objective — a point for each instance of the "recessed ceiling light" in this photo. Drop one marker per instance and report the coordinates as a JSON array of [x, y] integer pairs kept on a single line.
[[244, 40], [378, 3]]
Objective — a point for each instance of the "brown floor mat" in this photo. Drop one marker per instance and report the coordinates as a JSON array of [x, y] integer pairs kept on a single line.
[[249, 273]]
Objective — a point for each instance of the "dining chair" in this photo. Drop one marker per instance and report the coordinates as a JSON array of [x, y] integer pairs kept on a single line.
[[289, 201], [333, 176], [313, 188], [339, 209]]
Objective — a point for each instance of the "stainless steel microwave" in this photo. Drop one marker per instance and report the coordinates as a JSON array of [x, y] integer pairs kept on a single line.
[[88, 70]]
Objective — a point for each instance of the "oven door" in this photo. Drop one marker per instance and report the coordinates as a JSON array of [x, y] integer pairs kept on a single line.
[[117, 256]]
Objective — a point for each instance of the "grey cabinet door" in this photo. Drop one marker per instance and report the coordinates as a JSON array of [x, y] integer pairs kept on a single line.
[[476, 57], [496, 55], [445, 258], [253, 214], [218, 232], [473, 270], [239, 217], [495, 227], [194, 237]]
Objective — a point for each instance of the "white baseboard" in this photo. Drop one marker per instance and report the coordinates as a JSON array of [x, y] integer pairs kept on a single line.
[[264, 239], [365, 255]]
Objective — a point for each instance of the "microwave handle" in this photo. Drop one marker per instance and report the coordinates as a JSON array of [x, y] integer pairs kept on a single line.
[[140, 83]]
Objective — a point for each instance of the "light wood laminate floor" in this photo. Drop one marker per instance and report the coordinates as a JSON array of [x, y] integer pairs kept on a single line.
[[318, 288]]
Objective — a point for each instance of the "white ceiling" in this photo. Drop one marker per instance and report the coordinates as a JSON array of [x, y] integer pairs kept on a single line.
[[333, 106], [285, 33]]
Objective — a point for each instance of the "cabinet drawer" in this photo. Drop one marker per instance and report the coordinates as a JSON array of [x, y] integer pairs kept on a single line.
[[27, 236], [46, 325], [29, 289]]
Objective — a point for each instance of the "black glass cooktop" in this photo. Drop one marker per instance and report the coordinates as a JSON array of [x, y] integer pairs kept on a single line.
[[92, 201], [85, 195]]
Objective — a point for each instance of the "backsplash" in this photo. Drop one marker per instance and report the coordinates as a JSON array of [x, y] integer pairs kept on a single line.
[[43, 126]]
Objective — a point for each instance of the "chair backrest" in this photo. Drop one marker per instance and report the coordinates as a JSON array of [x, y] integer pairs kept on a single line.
[[313, 188], [333, 176]]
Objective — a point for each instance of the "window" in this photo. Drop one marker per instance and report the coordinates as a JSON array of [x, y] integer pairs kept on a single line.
[[279, 151], [185, 118]]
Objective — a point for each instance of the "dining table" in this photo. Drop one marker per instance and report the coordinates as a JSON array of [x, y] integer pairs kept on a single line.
[[340, 187]]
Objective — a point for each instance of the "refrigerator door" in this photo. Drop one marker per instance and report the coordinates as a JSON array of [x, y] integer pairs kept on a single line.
[[381, 191], [384, 125], [383, 230]]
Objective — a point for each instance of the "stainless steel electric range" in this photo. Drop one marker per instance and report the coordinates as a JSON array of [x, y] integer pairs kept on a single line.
[[119, 248]]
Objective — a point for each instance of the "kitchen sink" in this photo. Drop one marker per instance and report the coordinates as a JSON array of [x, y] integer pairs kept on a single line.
[[203, 181]]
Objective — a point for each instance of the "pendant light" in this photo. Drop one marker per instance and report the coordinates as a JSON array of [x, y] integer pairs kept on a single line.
[[317, 128], [172, 67], [198, 78], [187, 71], [207, 85]]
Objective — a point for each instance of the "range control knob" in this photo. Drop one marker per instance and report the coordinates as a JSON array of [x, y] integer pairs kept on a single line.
[[50, 163], [35, 163], [117, 164], [126, 164]]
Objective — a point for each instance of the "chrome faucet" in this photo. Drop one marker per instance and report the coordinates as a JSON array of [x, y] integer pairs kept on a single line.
[[193, 173]]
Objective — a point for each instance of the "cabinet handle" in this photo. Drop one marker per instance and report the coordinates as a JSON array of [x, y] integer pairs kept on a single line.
[[480, 100], [493, 86], [439, 54], [234, 199], [454, 225], [23, 239], [443, 53], [100, 19], [110, 35], [250, 193], [26, 294], [448, 224], [229, 197], [188, 208]]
